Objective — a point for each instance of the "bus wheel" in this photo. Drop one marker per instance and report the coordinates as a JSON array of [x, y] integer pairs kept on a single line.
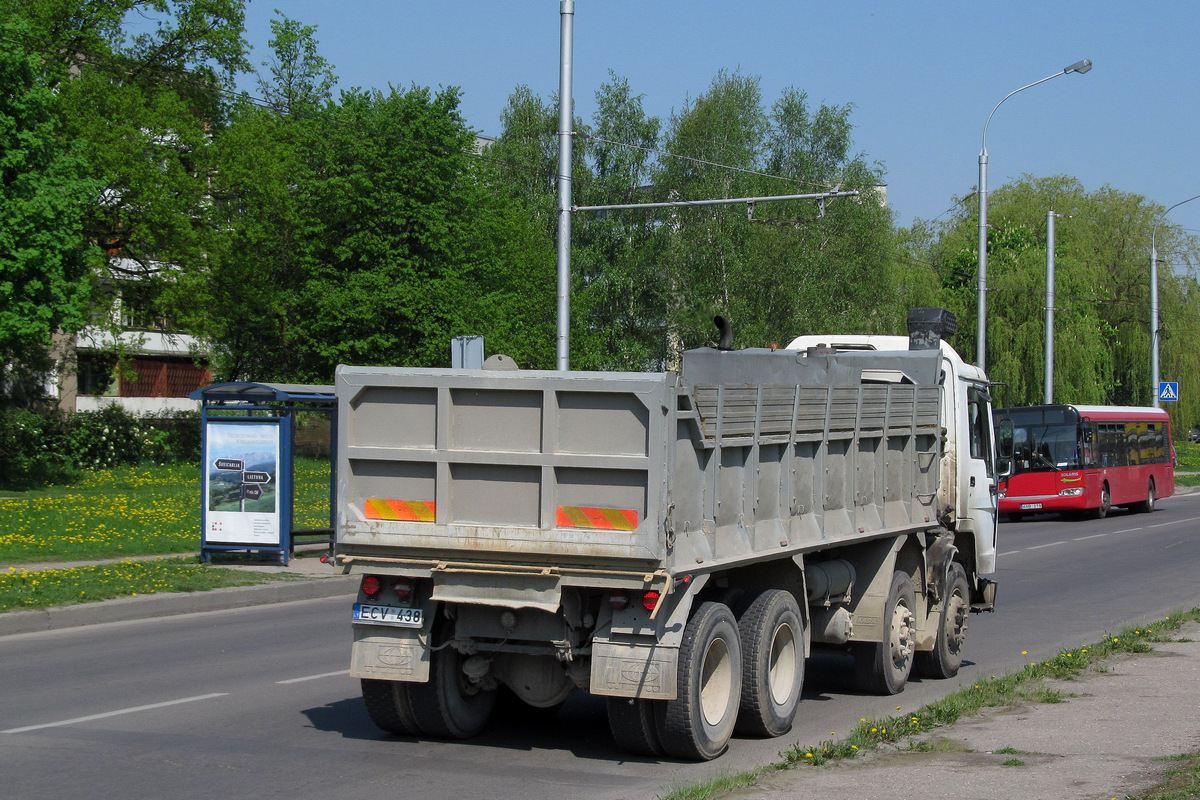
[[772, 664], [945, 658], [697, 724], [1105, 506], [883, 667], [1151, 500]]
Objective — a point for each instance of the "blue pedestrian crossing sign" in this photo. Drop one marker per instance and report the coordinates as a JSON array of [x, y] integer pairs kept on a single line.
[[1168, 390]]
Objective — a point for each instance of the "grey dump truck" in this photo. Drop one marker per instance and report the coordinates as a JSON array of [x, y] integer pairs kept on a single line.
[[678, 543]]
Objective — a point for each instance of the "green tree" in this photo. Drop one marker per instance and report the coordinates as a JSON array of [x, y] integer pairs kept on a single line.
[[301, 78], [44, 260], [1102, 301], [147, 104]]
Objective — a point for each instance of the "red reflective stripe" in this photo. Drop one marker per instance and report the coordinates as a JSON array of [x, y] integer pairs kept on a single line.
[[401, 510], [619, 519]]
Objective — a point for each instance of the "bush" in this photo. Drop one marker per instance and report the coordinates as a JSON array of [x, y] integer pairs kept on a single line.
[[37, 449], [34, 449]]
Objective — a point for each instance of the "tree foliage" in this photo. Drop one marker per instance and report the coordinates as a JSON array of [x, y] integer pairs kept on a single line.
[[44, 262], [1102, 341]]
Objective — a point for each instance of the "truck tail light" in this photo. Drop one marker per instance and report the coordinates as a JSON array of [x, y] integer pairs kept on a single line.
[[650, 600], [371, 586], [403, 588], [617, 601]]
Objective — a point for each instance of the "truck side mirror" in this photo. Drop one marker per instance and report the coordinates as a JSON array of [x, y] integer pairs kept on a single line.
[[1004, 439]]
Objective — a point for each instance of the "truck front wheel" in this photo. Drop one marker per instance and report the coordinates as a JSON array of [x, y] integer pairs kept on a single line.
[[883, 667], [944, 660], [697, 724], [772, 664]]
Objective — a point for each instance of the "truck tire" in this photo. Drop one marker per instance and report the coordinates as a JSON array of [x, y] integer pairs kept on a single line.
[[633, 727], [448, 705], [772, 632], [944, 660], [883, 667], [388, 706], [697, 724]]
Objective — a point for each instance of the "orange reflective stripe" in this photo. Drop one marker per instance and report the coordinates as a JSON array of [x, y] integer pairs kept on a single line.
[[618, 519], [403, 510]]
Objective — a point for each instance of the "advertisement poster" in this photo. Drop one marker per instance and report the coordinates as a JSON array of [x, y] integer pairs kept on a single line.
[[241, 487]]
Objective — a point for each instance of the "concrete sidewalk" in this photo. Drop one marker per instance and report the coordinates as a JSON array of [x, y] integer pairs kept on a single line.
[[1112, 737]]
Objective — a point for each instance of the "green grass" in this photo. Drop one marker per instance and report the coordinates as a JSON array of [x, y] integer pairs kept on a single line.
[[129, 511], [23, 589], [1188, 455], [1025, 685]]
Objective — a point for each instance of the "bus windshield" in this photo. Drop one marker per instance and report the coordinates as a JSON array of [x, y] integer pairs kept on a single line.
[[1040, 448]]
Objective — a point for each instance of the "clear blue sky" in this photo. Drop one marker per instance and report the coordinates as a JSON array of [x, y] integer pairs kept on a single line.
[[922, 76]]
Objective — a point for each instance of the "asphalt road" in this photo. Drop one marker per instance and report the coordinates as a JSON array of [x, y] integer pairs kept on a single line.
[[257, 701]]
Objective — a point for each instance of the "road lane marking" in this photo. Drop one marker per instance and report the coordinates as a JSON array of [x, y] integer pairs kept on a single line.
[[1040, 546], [1128, 530], [1165, 524], [116, 713], [316, 677], [1093, 536]]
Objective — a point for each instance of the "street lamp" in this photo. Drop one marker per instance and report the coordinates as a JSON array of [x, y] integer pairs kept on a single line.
[[1154, 300], [981, 334], [1049, 372]]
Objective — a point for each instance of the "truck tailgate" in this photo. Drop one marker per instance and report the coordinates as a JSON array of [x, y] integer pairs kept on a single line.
[[518, 467]]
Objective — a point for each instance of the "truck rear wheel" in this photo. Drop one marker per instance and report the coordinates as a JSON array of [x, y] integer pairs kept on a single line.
[[633, 727], [772, 634], [883, 667], [944, 660], [388, 706], [449, 705], [697, 724]]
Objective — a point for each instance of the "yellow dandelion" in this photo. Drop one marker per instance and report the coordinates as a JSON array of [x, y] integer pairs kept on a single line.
[[808, 755]]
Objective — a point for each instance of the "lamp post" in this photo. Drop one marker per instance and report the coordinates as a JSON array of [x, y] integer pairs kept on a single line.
[[1154, 300], [981, 330], [1049, 386]]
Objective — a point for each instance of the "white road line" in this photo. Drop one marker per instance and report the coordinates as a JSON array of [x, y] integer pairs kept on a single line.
[[115, 713], [1165, 524], [1040, 546], [316, 677], [1128, 530], [1093, 536]]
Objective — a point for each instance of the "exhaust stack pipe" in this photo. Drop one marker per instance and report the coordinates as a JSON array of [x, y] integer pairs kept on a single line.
[[726, 331], [928, 327]]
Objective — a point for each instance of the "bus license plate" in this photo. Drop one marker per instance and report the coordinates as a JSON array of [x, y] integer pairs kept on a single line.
[[1027, 506], [388, 615]]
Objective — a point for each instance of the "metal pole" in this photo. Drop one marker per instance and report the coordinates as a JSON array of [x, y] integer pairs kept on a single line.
[[1154, 317], [566, 43], [981, 276], [1050, 215], [1154, 381], [981, 285]]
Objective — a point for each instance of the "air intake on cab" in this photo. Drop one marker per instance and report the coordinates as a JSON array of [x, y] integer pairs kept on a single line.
[[927, 327]]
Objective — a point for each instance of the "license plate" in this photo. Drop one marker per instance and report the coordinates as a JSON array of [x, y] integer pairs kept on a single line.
[[388, 615], [1025, 506]]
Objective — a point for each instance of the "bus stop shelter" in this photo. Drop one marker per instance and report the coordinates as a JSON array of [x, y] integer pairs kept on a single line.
[[248, 490]]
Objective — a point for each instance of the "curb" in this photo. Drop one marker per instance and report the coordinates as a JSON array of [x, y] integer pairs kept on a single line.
[[123, 609]]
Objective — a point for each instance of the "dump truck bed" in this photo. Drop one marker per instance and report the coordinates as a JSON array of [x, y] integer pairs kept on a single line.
[[744, 456]]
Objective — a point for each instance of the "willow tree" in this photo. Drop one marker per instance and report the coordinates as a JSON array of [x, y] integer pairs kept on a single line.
[[1102, 342]]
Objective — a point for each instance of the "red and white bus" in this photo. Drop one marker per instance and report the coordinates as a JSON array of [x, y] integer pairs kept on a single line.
[[1061, 458]]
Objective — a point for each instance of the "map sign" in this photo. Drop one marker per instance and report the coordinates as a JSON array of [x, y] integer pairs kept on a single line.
[[240, 484]]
